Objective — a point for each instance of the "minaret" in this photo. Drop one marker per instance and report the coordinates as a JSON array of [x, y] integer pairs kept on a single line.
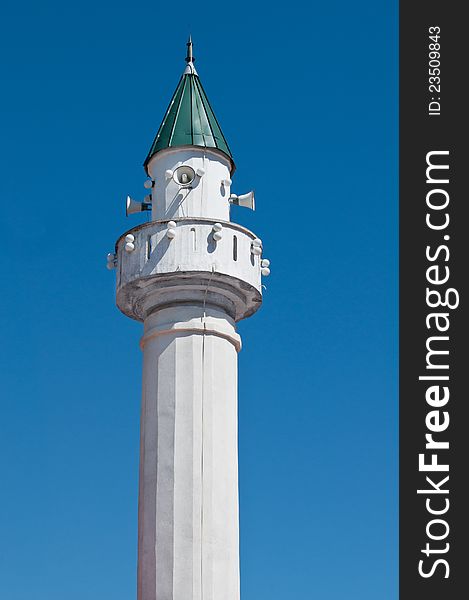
[[189, 274]]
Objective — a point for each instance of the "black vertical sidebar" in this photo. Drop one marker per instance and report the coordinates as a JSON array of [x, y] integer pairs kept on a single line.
[[434, 344]]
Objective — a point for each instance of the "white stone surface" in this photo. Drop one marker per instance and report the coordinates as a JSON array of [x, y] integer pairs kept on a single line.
[[205, 197], [188, 497], [148, 276]]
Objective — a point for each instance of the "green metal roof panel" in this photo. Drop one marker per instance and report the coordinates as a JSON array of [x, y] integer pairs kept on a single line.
[[217, 134], [189, 120], [164, 133]]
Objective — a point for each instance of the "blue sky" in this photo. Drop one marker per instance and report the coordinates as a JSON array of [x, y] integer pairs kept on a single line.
[[306, 94]]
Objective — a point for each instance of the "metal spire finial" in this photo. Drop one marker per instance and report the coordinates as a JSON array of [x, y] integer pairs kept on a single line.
[[189, 58]]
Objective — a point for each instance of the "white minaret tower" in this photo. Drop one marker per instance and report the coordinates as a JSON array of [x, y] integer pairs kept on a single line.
[[189, 274]]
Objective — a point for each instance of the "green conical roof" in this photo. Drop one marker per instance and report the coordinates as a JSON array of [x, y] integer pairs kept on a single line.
[[189, 120]]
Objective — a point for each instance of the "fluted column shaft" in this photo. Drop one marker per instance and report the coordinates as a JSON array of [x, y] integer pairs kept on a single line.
[[188, 545]]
